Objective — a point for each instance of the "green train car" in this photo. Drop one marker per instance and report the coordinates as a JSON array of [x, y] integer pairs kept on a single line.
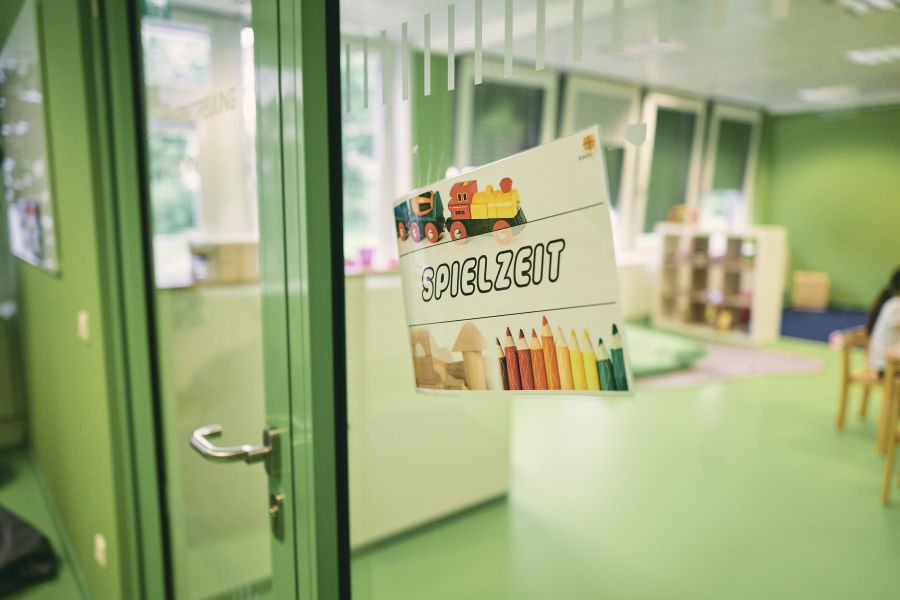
[[420, 217]]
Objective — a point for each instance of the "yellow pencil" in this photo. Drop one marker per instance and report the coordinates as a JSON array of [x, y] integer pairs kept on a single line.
[[592, 377], [577, 363], [566, 382]]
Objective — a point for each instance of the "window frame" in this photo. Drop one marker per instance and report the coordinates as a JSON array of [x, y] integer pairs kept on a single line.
[[492, 71]]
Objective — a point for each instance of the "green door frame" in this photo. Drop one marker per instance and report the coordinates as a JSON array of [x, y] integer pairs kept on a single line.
[[302, 272]]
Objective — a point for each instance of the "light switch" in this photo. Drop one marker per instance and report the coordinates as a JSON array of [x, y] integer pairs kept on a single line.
[[100, 549], [84, 326]]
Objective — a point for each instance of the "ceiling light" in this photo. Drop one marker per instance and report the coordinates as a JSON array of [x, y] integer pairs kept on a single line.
[[874, 56], [827, 93]]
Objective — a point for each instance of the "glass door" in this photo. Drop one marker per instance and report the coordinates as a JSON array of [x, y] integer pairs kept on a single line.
[[248, 467]]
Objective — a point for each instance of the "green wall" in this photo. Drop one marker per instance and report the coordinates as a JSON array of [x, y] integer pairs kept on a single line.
[[833, 180], [66, 379]]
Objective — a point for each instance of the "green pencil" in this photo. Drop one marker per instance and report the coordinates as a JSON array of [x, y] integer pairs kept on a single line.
[[618, 360], [604, 365]]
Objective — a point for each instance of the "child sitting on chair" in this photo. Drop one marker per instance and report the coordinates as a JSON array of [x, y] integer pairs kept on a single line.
[[883, 324]]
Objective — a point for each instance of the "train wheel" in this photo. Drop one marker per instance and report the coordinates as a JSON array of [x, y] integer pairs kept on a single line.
[[458, 231], [502, 232], [416, 232], [431, 232], [402, 231]]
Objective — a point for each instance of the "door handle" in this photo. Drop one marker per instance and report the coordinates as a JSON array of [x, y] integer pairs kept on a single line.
[[267, 451]]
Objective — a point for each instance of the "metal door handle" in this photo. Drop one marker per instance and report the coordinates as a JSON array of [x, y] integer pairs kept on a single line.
[[267, 451]]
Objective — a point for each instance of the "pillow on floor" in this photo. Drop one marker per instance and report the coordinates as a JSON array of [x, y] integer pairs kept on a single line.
[[655, 352]]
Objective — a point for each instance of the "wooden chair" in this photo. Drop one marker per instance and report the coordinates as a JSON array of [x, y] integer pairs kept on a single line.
[[865, 376], [892, 400]]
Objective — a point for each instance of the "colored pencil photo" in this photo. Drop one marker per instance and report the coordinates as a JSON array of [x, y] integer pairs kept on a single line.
[[512, 362], [618, 360], [578, 377], [604, 368], [591, 377], [550, 361], [566, 381], [501, 361], [537, 363], [525, 371]]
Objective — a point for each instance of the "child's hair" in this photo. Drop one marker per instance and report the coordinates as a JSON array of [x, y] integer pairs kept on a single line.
[[890, 290]]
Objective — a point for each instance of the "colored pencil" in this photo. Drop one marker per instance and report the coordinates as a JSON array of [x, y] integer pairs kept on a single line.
[[501, 359], [566, 382], [577, 363], [512, 362], [604, 367], [537, 363], [550, 363], [618, 360], [591, 376], [525, 371]]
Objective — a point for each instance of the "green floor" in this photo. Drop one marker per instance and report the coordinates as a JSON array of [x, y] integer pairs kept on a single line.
[[736, 490], [21, 494]]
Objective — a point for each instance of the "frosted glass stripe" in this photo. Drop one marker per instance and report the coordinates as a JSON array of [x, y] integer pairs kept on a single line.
[[404, 59], [720, 14], [451, 47], [618, 26], [508, 40], [426, 75], [664, 21], [478, 48], [577, 29], [540, 30], [385, 68], [365, 72], [347, 77]]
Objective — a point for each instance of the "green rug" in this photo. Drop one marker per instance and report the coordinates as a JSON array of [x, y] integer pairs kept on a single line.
[[654, 352]]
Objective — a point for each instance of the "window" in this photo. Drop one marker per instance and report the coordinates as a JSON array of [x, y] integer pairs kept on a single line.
[[669, 163], [502, 116], [730, 166], [614, 107]]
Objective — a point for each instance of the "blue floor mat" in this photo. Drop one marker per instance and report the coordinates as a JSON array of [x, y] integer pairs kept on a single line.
[[818, 325]]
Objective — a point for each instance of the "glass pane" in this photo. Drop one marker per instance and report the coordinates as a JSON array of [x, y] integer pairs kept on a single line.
[[506, 120], [533, 498], [670, 167], [732, 153], [201, 138]]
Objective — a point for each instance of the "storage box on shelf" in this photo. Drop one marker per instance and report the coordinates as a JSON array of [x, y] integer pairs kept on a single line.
[[726, 285]]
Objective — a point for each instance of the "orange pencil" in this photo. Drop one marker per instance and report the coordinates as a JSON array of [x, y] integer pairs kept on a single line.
[[566, 381], [525, 362], [512, 362], [537, 363], [550, 364], [501, 360]]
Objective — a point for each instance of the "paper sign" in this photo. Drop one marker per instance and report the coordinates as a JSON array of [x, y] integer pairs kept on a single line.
[[509, 276]]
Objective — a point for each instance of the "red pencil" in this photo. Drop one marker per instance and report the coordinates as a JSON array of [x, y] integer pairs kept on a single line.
[[525, 362], [537, 363], [512, 362]]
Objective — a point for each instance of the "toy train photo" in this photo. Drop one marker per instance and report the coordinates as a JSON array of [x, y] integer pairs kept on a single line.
[[472, 212]]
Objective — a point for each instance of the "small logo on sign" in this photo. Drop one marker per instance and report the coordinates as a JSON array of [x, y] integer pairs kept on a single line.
[[589, 142]]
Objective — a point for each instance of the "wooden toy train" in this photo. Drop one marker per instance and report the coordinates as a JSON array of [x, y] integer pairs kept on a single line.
[[472, 212]]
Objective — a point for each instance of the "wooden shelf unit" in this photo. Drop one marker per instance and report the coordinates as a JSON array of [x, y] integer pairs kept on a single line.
[[722, 285]]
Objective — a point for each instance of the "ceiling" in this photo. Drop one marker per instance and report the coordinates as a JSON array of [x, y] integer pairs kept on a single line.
[[745, 51]]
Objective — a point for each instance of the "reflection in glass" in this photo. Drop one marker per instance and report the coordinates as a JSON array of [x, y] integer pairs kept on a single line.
[[201, 147]]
